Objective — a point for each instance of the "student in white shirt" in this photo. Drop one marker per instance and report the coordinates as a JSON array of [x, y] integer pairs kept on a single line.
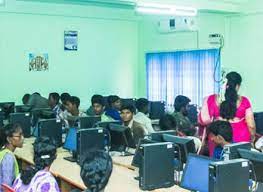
[[141, 117]]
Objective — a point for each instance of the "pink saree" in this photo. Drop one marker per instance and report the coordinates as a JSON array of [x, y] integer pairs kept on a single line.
[[210, 112]]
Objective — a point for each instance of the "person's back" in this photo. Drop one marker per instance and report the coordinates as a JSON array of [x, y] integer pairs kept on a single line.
[[37, 101]]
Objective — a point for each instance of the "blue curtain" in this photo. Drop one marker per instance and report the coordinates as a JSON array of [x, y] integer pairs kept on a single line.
[[189, 73]]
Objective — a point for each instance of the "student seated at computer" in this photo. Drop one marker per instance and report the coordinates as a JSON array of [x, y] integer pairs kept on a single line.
[[221, 134], [180, 112], [127, 113], [113, 112], [36, 101], [25, 98], [11, 137], [53, 102], [64, 97], [168, 122], [39, 178], [97, 108], [95, 171], [72, 106], [141, 117]]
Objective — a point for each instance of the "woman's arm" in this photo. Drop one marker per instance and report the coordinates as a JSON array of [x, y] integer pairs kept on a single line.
[[251, 123]]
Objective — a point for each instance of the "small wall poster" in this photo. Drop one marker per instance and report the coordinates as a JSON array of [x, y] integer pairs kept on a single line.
[[70, 40], [38, 62]]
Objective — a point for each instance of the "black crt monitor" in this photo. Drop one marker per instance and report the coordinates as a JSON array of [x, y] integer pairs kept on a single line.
[[71, 144], [22, 108], [6, 108], [185, 144], [120, 138], [89, 122], [47, 114], [259, 122], [156, 109], [24, 120], [51, 128], [196, 173], [89, 140], [158, 136], [106, 124], [231, 150], [157, 167], [256, 158], [137, 158]]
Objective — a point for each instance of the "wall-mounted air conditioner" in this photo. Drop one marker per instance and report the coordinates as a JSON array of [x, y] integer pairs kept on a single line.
[[178, 24]]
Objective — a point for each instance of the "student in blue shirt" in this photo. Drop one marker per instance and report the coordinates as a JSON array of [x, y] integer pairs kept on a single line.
[[114, 102], [221, 134]]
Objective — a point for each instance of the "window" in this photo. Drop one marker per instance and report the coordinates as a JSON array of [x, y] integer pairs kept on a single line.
[[189, 73]]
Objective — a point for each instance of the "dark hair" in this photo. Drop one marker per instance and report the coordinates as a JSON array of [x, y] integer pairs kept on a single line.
[[167, 122], [222, 128], [37, 93], [180, 101], [25, 98], [129, 107], [74, 100], [141, 104], [64, 97], [229, 107], [97, 99], [96, 170], [112, 98], [7, 131], [55, 96], [44, 155]]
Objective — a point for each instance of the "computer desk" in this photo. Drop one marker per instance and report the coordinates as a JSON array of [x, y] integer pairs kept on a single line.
[[122, 178]]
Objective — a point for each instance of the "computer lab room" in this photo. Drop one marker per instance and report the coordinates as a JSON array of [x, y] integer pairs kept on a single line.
[[131, 96]]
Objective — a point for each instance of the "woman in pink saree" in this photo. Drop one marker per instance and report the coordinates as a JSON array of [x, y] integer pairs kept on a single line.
[[236, 109]]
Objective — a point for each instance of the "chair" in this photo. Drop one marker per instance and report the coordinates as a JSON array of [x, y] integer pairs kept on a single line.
[[6, 188]]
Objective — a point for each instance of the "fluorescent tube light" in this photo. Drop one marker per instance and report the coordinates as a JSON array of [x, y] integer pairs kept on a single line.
[[163, 9]]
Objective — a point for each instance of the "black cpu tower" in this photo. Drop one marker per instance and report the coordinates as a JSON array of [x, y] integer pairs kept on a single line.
[[229, 176], [24, 120], [157, 167]]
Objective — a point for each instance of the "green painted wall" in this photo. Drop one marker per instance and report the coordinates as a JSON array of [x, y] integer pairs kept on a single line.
[[105, 63], [244, 54]]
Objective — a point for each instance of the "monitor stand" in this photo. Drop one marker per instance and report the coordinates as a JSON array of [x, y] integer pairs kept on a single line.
[[72, 158]]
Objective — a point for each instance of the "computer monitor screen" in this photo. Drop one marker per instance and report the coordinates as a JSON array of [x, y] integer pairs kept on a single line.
[[185, 144], [24, 120], [137, 158], [89, 122], [106, 124], [256, 159], [22, 108], [120, 138], [158, 136], [196, 173], [259, 122], [71, 139], [89, 140], [6, 108], [156, 109], [51, 128]]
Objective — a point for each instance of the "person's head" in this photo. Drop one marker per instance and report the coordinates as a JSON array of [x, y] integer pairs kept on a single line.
[[97, 103], [142, 105], [45, 152], [64, 97], [229, 106], [180, 104], [167, 122], [96, 170], [36, 93], [25, 98], [53, 99], [127, 112], [114, 102], [11, 136], [72, 105], [220, 132]]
